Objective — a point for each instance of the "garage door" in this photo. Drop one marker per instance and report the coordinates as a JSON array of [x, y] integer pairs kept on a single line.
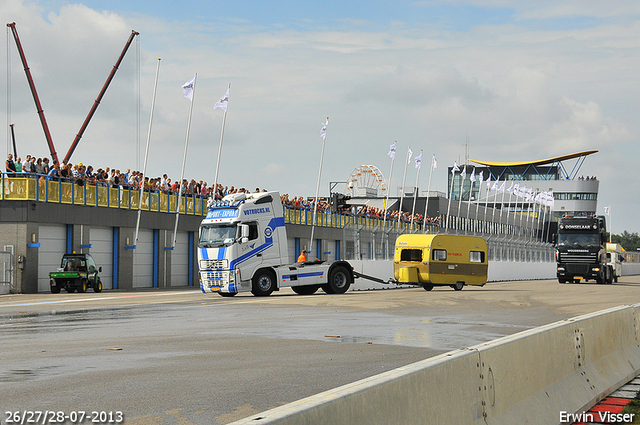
[[143, 260], [53, 244], [180, 260], [102, 252]]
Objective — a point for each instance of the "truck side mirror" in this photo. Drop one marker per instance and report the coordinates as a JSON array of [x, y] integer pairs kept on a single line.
[[244, 233], [100, 269]]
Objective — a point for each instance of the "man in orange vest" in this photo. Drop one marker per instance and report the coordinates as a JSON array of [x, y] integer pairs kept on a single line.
[[302, 257]]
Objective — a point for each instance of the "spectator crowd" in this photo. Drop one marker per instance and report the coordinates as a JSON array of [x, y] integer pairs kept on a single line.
[[81, 175]]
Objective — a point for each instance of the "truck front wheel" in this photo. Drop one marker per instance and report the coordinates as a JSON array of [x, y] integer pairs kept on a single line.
[[263, 283], [339, 281], [98, 287]]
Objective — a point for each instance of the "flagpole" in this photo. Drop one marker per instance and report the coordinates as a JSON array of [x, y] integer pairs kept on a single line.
[[386, 202], [495, 198], [550, 202], [315, 204], [404, 178], [184, 162], [415, 194], [453, 177], [479, 198], [426, 205], [146, 154], [502, 202], [224, 120], [486, 202], [472, 180]]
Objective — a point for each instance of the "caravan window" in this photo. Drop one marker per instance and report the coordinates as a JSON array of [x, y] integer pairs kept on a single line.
[[476, 257], [440, 255], [411, 255]]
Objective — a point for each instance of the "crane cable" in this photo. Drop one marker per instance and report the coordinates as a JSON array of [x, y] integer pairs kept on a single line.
[[8, 91]]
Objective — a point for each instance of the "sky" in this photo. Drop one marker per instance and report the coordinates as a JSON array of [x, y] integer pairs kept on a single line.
[[491, 80]]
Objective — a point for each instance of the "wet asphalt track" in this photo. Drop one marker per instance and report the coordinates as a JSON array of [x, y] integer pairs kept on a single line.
[[183, 357]]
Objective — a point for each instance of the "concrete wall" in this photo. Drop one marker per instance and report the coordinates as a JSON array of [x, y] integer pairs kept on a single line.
[[530, 377], [630, 269], [498, 271]]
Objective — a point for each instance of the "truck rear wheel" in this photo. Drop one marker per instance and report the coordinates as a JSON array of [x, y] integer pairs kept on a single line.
[[427, 286], [338, 281], [263, 283], [55, 289], [83, 287], [305, 290]]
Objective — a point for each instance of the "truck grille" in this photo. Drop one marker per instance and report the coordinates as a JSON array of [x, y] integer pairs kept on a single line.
[[214, 264], [586, 258], [215, 277], [577, 268]]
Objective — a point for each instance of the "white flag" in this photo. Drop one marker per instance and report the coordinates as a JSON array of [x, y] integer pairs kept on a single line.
[[323, 130], [510, 187], [473, 175], [410, 154], [392, 150], [481, 177], [418, 160], [455, 168], [434, 162], [222, 103], [607, 210], [187, 88], [495, 185], [501, 189], [463, 174], [488, 179]]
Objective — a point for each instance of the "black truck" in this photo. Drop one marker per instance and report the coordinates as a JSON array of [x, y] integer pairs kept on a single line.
[[581, 250]]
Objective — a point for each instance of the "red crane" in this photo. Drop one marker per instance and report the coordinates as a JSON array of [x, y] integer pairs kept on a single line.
[[32, 86], [75, 142]]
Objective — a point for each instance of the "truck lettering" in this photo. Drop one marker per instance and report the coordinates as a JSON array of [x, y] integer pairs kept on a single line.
[[257, 211], [222, 213]]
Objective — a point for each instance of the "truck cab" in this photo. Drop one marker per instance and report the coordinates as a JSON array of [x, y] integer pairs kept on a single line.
[[580, 250], [242, 247]]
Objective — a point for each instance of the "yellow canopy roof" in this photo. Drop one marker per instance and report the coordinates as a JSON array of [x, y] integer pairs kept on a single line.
[[538, 162]]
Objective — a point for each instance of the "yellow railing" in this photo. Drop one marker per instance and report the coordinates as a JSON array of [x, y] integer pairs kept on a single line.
[[66, 192], [43, 190]]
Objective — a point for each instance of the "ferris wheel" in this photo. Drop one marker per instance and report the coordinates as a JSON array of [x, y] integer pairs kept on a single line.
[[366, 180]]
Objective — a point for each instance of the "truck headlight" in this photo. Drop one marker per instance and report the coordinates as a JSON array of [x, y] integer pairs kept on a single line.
[[596, 269], [560, 269]]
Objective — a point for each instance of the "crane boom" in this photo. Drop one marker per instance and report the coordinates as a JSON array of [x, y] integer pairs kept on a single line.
[[75, 142], [32, 86]]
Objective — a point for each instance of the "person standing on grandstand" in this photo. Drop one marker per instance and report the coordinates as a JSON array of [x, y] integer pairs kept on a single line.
[[10, 165]]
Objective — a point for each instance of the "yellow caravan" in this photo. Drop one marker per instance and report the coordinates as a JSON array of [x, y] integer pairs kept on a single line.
[[431, 260]]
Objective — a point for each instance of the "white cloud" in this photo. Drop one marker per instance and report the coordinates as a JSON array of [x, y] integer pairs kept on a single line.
[[517, 93]]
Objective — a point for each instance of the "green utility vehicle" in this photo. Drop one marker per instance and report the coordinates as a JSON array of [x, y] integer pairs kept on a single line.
[[76, 272]]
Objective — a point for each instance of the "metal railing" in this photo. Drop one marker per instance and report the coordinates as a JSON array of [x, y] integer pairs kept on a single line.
[[41, 189]]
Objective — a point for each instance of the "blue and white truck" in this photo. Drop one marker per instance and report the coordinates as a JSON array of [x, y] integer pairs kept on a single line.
[[243, 248]]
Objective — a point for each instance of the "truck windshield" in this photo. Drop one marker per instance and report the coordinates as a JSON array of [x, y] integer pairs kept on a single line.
[[216, 235], [578, 239]]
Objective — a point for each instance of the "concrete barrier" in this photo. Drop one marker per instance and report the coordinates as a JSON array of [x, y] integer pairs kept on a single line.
[[530, 377]]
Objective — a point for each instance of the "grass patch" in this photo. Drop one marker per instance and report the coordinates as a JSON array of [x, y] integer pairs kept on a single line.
[[633, 408]]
